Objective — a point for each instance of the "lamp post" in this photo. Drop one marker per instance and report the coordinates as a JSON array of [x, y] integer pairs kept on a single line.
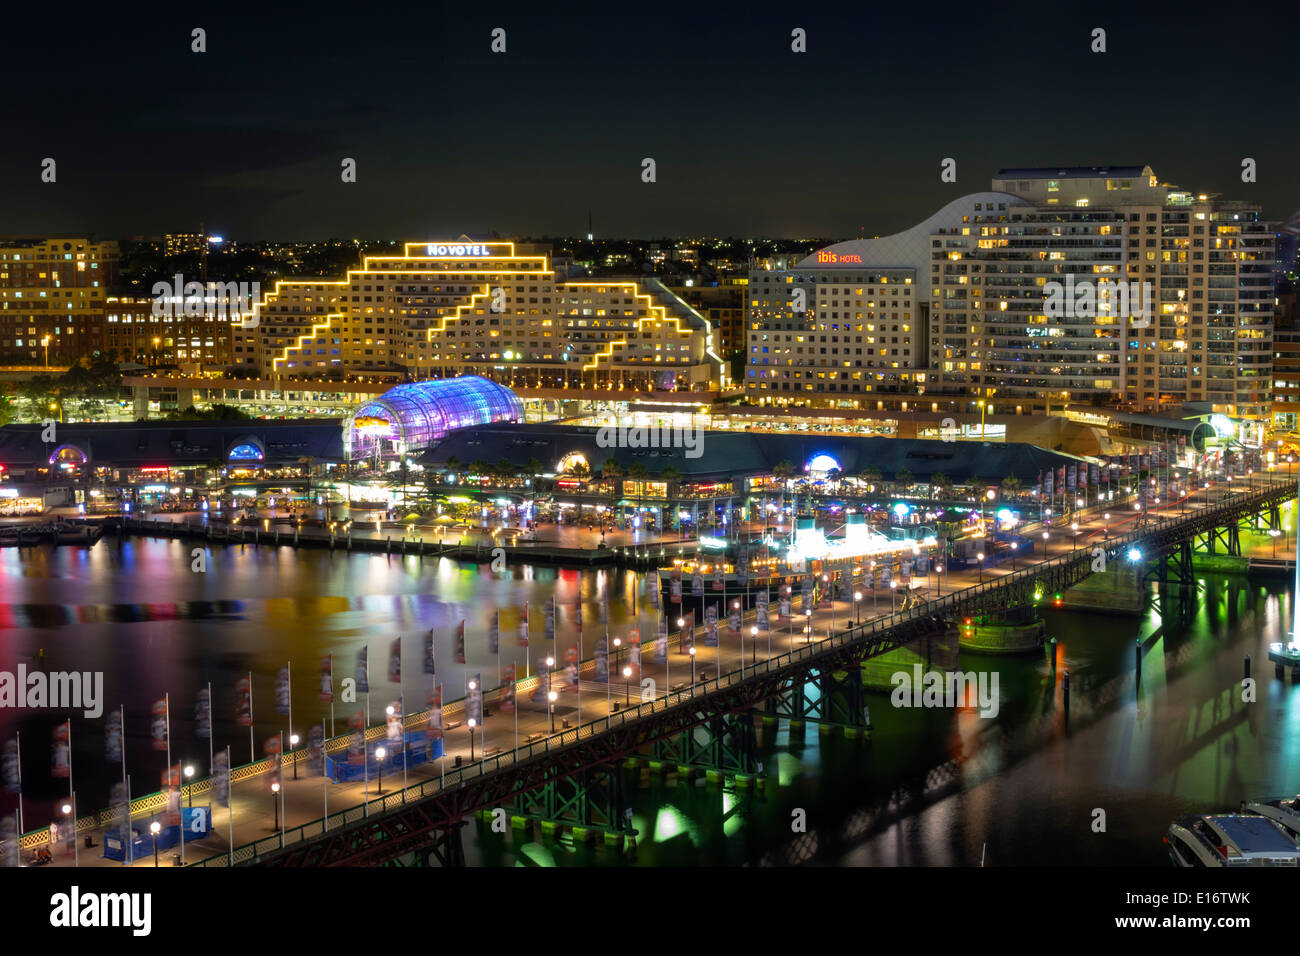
[[893, 585], [380, 754], [988, 496], [753, 635], [1105, 527], [551, 697], [189, 775], [691, 650], [1015, 546], [275, 802], [471, 723], [627, 680], [857, 607], [980, 557], [154, 828], [293, 745], [618, 642], [938, 579], [1074, 527]]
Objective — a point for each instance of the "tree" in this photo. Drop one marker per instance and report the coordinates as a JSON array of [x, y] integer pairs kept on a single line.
[[1010, 485], [504, 470], [974, 481], [532, 468], [870, 474], [638, 472], [452, 466], [940, 484], [611, 469], [903, 477], [579, 469]]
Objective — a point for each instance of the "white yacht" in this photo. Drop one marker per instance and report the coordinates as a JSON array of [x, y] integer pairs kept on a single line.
[[1230, 839], [1285, 813]]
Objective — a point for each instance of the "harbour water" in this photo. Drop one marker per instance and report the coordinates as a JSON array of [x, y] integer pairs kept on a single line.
[[934, 786]]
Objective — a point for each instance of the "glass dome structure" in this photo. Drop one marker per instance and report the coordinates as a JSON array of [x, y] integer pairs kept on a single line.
[[409, 418]]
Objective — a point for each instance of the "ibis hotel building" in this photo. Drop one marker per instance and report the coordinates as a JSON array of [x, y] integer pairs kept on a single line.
[[496, 309], [1094, 285]]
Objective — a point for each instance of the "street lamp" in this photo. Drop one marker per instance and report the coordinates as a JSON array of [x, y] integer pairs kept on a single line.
[[857, 607], [627, 680], [380, 754], [1015, 546], [980, 558], [471, 723], [293, 745], [691, 651], [753, 635], [618, 642], [1105, 528], [154, 827], [1074, 526], [1274, 533], [275, 802], [189, 774], [893, 583], [551, 696]]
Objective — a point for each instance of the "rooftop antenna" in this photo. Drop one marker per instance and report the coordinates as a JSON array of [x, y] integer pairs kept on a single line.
[[590, 233]]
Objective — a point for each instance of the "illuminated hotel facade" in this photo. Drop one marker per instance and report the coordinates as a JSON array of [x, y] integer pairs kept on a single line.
[[52, 293], [441, 309], [956, 309]]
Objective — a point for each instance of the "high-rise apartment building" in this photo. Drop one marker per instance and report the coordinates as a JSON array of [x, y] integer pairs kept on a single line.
[[133, 330], [1083, 285], [487, 308], [52, 293]]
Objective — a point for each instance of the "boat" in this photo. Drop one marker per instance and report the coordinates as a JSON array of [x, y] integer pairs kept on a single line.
[[1285, 813], [1230, 839], [76, 534]]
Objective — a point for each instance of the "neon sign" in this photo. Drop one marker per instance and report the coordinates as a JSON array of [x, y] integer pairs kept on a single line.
[[437, 249], [824, 256]]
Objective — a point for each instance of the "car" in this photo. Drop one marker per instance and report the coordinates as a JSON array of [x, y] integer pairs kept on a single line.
[[1230, 839]]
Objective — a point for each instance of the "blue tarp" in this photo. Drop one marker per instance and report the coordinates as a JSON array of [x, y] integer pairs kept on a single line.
[[419, 748]]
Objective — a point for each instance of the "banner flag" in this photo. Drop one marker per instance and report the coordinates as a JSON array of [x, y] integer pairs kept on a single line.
[[60, 757], [272, 749], [733, 620], [113, 736], [507, 702], [119, 810], [459, 655], [602, 661], [221, 778], [243, 703], [550, 618], [539, 689], [571, 676], [474, 700], [494, 633], [9, 769], [316, 750], [742, 566], [653, 587], [159, 724], [363, 671], [523, 626], [435, 713], [202, 714], [357, 745], [785, 608], [719, 576], [327, 679], [395, 661], [661, 642], [697, 584], [395, 723], [676, 585], [430, 666], [763, 622], [282, 691], [634, 653]]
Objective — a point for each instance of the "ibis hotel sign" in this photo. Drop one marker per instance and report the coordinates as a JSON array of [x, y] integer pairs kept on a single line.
[[457, 249]]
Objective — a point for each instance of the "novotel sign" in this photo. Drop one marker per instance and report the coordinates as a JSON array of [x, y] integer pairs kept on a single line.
[[824, 256], [458, 250]]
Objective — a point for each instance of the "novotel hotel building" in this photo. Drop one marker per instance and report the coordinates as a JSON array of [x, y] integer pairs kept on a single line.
[[496, 309], [966, 307]]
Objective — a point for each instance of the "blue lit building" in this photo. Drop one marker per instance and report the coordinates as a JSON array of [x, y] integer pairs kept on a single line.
[[409, 418]]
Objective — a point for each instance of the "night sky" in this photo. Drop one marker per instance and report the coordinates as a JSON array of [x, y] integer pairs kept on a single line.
[[749, 138]]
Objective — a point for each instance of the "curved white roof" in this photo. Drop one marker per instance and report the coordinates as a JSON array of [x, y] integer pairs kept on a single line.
[[904, 250]]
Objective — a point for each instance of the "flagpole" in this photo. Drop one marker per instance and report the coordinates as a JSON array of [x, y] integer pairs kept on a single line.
[[130, 833], [442, 761], [17, 736], [280, 756], [210, 752], [122, 746], [167, 700], [72, 797], [230, 812], [288, 673], [252, 750], [401, 705]]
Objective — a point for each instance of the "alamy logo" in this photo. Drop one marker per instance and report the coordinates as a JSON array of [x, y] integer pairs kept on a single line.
[[689, 439], [76, 909], [220, 300], [952, 689], [1087, 299], [59, 690]]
